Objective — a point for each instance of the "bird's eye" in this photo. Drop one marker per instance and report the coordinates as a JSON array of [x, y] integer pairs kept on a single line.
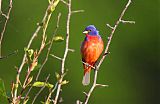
[[89, 30]]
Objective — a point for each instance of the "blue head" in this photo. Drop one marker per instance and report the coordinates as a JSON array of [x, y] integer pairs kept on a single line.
[[91, 30]]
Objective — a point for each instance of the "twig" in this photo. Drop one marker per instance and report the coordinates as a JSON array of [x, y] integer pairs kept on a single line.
[[131, 22], [70, 12], [40, 90], [0, 6], [56, 57], [71, 50], [49, 96], [5, 24], [66, 51], [88, 65], [10, 54], [45, 21], [47, 55], [79, 102], [110, 26], [64, 2], [106, 51], [50, 46], [77, 11]]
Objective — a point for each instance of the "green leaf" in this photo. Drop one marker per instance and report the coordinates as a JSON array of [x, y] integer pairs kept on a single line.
[[29, 80], [2, 89], [29, 53], [37, 67], [52, 6], [58, 38], [42, 102], [64, 82], [25, 102], [42, 84], [49, 1], [57, 75]]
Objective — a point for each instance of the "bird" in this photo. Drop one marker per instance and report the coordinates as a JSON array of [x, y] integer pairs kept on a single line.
[[91, 49]]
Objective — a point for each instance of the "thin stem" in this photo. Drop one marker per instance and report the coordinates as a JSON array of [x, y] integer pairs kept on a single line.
[[5, 24], [92, 88], [50, 46], [106, 51], [66, 51], [49, 96], [46, 17], [47, 55], [40, 90], [112, 32]]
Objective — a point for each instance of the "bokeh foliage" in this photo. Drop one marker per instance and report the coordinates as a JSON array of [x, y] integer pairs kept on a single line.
[[131, 70]]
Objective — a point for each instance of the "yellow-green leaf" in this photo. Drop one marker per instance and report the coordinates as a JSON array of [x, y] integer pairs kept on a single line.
[[42, 84], [64, 82], [57, 75], [58, 39], [37, 67], [30, 80], [2, 89], [25, 102]]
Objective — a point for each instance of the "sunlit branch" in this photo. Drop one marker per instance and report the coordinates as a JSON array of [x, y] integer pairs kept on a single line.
[[106, 51], [43, 25], [7, 15], [67, 49]]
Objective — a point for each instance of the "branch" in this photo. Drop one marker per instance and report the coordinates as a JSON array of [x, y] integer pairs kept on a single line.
[[64, 2], [106, 51], [77, 11], [50, 46], [124, 21], [47, 55], [51, 7], [10, 54], [40, 90], [5, 24], [67, 49], [88, 65], [50, 94], [56, 57]]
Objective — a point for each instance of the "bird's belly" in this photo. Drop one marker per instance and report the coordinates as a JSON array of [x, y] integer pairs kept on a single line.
[[91, 52]]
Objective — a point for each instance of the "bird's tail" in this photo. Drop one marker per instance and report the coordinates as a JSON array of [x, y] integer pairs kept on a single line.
[[86, 77]]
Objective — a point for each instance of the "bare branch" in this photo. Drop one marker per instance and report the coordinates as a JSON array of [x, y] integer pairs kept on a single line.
[[66, 51], [49, 96], [124, 21], [45, 21], [102, 85], [79, 102], [111, 35], [110, 26], [34, 99], [10, 54], [7, 15], [106, 51], [56, 57], [47, 55], [50, 46], [0, 6], [77, 11], [85, 93], [64, 2], [88, 65], [71, 50]]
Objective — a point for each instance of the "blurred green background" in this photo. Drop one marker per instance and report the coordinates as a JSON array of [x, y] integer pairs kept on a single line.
[[131, 70]]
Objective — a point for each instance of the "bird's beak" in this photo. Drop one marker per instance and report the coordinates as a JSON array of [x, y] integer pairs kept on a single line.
[[85, 32]]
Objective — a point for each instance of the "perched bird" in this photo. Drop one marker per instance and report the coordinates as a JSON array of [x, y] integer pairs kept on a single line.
[[91, 49]]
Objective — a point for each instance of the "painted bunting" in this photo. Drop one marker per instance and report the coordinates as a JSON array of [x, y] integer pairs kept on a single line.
[[91, 49]]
